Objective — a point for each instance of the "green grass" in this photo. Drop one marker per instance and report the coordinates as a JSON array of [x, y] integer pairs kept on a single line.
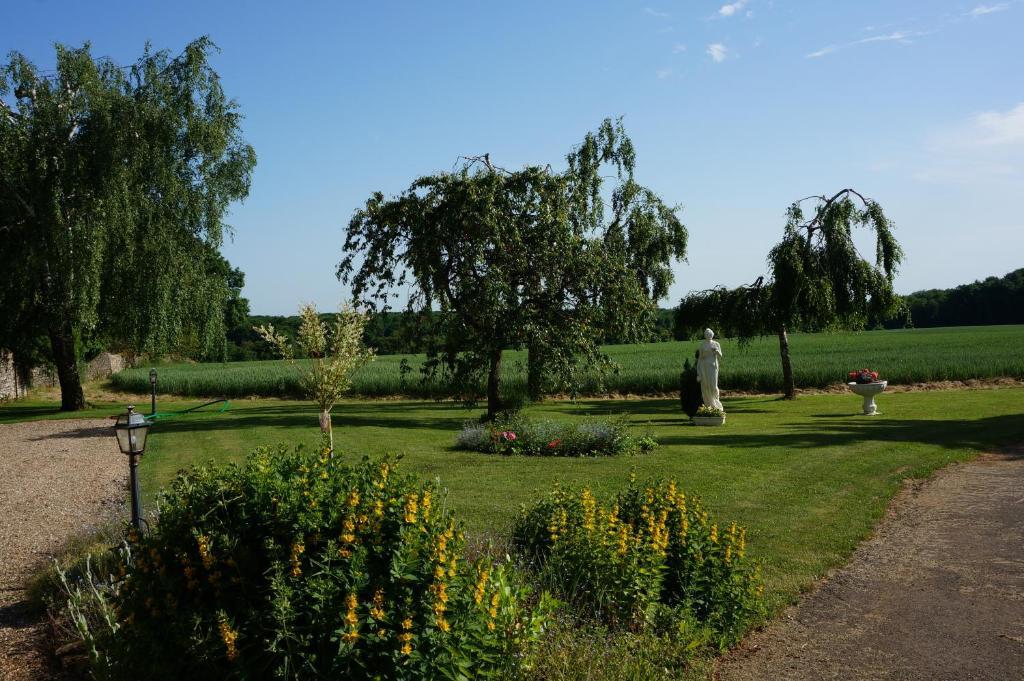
[[809, 477], [819, 360]]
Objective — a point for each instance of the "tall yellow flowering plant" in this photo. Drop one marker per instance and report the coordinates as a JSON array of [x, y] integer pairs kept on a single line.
[[334, 352]]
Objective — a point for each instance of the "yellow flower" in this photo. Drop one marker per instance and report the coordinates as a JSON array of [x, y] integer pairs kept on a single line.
[[714, 534], [204, 550], [425, 504], [353, 499], [228, 636], [443, 625], [298, 548], [411, 508], [377, 611], [407, 648], [481, 584], [589, 506]]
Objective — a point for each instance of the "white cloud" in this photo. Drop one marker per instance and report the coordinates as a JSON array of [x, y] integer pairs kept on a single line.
[[990, 129], [678, 47], [987, 147], [732, 8], [655, 13], [718, 52], [662, 74], [895, 36], [982, 10]]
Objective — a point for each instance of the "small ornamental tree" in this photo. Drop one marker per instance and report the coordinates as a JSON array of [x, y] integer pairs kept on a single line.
[[334, 354], [818, 281], [519, 259]]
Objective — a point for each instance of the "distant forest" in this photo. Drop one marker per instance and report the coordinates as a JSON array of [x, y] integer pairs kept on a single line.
[[390, 333], [996, 300]]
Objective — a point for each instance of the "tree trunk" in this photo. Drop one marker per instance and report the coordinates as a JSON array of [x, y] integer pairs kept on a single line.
[[494, 386], [327, 428], [788, 387], [62, 345], [534, 373]]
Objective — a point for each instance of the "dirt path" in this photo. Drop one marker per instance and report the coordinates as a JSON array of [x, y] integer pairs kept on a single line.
[[56, 479], [937, 593]]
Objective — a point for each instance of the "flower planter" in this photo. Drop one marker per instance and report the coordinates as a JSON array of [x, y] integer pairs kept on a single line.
[[868, 392], [708, 420]]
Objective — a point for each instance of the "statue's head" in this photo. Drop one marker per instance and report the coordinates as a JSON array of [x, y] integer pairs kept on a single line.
[[708, 334]]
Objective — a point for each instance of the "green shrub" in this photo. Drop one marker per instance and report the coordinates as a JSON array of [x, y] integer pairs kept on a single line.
[[653, 556], [518, 434], [297, 566]]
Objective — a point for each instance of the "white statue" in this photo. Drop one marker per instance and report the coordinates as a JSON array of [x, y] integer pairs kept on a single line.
[[707, 370]]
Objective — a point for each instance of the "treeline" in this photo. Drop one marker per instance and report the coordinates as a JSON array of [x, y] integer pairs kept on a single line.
[[390, 333], [996, 300]]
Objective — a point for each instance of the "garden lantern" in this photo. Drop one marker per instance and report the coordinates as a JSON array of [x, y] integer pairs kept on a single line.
[[131, 429], [152, 390]]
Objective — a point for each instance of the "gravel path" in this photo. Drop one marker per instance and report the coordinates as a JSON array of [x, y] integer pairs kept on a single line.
[[937, 593], [56, 479]]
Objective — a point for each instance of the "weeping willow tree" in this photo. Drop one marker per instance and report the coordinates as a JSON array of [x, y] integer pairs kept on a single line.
[[115, 182], [519, 259], [818, 279]]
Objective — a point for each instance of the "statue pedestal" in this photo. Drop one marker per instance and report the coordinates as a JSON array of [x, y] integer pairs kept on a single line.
[[708, 420], [868, 392]]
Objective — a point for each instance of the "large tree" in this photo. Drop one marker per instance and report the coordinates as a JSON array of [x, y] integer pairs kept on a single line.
[[513, 259], [115, 182], [818, 280]]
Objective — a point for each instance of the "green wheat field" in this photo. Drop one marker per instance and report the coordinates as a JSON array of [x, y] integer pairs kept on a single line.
[[819, 360]]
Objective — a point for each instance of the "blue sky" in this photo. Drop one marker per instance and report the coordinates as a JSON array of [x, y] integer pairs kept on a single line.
[[736, 109]]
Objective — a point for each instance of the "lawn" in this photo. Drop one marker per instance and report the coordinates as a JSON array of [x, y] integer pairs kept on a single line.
[[809, 477], [819, 360]]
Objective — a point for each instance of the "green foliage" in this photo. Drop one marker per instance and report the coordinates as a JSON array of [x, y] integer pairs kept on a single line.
[[905, 355], [652, 556], [996, 300], [115, 184], [514, 259], [518, 434], [296, 566]]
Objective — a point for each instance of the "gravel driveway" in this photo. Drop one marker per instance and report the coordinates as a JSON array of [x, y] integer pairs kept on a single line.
[[937, 593], [57, 478]]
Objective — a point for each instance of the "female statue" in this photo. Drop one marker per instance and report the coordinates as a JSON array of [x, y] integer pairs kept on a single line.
[[707, 369]]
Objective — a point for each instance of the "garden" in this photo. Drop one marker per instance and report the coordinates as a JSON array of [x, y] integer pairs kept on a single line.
[[516, 498]]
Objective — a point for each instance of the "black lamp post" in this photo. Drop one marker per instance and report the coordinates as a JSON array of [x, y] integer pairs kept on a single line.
[[131, 429], [152, 390]]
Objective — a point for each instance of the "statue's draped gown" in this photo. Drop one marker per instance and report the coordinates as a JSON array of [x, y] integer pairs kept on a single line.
[[707, 372]]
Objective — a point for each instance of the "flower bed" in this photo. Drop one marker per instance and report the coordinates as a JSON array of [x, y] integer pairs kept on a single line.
[[521, 435], [296, 566], [651, 556], [862, 376]]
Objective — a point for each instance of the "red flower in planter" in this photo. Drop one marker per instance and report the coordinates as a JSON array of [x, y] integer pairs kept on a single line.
[[554, 443]]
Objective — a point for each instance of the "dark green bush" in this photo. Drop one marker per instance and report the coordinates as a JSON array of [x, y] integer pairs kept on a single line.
[[652, 556], [296, 566]]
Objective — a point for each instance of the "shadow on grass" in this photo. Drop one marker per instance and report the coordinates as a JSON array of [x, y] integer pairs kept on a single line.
[[377, 415], [987, 433]]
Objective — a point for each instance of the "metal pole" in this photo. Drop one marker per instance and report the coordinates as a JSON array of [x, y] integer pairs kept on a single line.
[[133, 464], [152, 407]]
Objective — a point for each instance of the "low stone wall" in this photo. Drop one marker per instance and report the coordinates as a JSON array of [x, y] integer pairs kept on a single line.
[[104, 365], [11, 387]]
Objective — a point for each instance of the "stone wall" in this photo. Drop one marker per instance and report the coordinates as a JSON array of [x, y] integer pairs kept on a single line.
[[11, 388], [105, 364]]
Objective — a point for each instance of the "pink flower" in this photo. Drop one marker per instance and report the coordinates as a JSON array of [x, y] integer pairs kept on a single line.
[[509, 435]]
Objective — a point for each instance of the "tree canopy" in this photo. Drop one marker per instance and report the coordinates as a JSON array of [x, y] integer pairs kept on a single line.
[[818, 279], [116, 181], [527, 258]]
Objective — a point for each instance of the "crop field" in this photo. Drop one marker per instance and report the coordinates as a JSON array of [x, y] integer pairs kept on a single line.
[[819, 360]]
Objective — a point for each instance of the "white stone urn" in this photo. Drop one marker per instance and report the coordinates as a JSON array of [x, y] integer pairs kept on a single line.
[[709, 420], [868, 392]]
